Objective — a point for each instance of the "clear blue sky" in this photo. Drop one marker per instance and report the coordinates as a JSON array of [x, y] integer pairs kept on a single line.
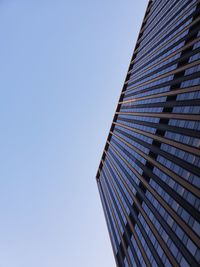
[[62, 67]]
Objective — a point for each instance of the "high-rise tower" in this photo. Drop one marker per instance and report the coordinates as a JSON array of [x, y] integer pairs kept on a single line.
[[149, 175]]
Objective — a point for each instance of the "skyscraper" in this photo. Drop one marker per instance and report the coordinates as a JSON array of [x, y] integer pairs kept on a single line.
[[149, 175]]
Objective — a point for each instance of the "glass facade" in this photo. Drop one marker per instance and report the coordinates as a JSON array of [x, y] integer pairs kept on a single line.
[[149, 175]]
